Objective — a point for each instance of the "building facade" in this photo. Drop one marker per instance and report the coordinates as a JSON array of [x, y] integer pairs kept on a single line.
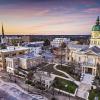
[[95, 36], [57, 42], [24, 62], [11, 51], [88, 56]]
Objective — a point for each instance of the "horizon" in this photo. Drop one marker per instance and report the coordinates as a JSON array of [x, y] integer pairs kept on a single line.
[[48, 17], [46, 34]]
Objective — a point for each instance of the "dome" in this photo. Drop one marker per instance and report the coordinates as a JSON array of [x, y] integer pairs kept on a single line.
[[97, 26]]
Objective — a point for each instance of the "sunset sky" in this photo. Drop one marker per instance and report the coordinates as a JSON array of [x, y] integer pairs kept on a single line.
[[48, 16]]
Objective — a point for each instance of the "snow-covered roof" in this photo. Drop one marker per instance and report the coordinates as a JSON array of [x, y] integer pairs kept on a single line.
[[48, 55], [95, 49], [35, 44], [14, 37], [77, 46], [14, 48]]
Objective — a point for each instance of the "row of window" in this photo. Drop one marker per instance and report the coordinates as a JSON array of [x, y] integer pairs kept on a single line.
[[95, 42], [9, 64], [13, 54]]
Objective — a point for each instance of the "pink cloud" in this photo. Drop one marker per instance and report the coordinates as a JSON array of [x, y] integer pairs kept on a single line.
[[88, 2], [23, 12], [92, 10]]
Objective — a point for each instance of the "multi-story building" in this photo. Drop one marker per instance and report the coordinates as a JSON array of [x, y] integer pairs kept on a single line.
[[87, 55], [35, 47], [11, 51], [57, 42], [45, 78], [95, 36], [29, 61], [14, 40], [12, 64], [24, 62]]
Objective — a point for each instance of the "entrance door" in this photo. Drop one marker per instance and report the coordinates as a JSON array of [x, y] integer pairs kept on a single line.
[[89, 70]]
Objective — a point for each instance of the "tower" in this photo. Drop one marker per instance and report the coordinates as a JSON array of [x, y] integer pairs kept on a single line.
[[95, 34], [3, 39], [3, 32]]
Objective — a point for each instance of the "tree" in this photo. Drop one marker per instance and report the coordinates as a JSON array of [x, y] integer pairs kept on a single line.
[[9, 74], [29, 78], [16, 72], [46, 43], [63, 45], [3, 46], [14, 42], [30, 75]]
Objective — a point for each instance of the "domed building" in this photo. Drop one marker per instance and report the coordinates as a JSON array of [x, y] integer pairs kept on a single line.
[[88, 56], [95, 36]]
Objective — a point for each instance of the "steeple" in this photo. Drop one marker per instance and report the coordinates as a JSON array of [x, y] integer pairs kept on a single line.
[[97, 21], [3, 32]]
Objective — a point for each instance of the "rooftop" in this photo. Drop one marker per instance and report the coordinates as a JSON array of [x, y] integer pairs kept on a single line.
[[34, 44], [14, 48], [95, 49], [77, 46], [25, 56]]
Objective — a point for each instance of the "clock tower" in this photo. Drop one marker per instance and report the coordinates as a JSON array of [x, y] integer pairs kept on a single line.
[[95, 36]]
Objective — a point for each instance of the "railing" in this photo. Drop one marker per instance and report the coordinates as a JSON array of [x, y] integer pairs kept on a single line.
[[88, 64]]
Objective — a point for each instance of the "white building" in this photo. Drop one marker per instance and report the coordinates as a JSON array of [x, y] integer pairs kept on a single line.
[[58, 41], [12, 64], [27, 61], [11, 51], [35, 47], [45, 78], [87, 55]]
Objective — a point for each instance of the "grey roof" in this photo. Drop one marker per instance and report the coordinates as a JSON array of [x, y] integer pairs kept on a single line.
[[95, 49], [77, 46]]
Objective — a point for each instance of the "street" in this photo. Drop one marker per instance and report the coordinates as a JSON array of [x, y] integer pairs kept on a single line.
[[32, 90]]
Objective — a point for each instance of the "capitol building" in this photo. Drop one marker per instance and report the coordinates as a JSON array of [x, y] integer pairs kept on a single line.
[[87, 55]]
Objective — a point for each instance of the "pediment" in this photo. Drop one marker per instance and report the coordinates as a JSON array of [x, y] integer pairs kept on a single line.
[[90, 52]]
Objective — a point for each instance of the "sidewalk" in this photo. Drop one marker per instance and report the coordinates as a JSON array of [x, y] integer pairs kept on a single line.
[[71, 78], [24, 87]]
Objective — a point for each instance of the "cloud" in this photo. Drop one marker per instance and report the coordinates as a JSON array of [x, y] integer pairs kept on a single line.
[[49, 15], [92, 10]]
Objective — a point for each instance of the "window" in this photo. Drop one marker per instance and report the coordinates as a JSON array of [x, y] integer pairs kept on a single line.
[[90, 61], [6, 55], [79, 59], [20, 52]]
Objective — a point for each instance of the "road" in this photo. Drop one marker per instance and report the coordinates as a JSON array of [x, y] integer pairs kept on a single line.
[[32, 90]]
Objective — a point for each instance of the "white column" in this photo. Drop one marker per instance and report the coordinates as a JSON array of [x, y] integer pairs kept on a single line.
[[84, 70], [93, 71]]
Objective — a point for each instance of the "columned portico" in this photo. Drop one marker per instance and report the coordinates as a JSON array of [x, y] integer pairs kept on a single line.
[[88, 56], [89, 70]]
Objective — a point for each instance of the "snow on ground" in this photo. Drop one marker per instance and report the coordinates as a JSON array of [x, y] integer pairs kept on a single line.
[[85, 86], [11, 91], [88, 79]]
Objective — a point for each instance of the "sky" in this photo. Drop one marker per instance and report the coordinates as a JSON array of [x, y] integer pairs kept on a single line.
[[45, 17]]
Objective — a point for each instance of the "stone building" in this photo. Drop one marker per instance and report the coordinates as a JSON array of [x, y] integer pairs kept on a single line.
[[88, 56], [11, 51]]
